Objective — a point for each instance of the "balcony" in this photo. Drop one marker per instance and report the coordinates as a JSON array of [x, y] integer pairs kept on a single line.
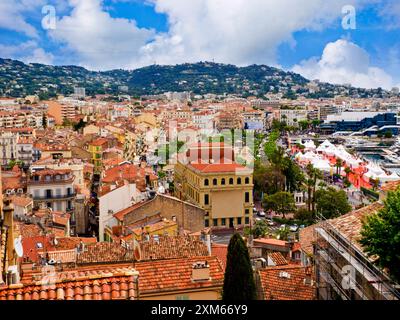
[[67, 196], [68, 179]]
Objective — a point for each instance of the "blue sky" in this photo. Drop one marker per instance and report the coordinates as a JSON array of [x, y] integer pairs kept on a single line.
[[305, 36]]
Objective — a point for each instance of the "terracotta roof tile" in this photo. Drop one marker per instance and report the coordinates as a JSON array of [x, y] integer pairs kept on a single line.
[[287, 283], [278, 258], [94, 287], [350, 224], [306, 239], [220, 251], [176, 274]]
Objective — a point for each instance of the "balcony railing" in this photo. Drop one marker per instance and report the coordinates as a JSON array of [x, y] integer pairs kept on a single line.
[[52, 181], [55, 196]]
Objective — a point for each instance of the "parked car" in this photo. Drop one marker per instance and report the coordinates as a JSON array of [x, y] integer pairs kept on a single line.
[[261, 214], [270, 222], [294, 227], [282, 227]]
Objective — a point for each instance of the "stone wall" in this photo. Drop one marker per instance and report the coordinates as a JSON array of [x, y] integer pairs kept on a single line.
[[188, 216]]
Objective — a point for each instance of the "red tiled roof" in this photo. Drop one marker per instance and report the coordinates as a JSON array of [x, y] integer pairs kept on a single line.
[[99, 142], [220, 251], [29, 230], [172, 248], [349, 225], [120, 285], [278, 258], [66, 243], [176, 275], [274, 242], [51, 172], [306, 239], [21, 201], [286, 283], [217, 167]]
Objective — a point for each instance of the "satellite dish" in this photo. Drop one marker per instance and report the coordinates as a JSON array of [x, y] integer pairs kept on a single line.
[[18, 247]]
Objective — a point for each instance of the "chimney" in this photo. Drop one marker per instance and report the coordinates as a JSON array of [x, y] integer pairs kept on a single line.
[[208, 243], [308, 276], [200, 271]]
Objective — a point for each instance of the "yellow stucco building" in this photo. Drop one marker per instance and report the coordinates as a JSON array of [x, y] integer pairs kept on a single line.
[[223, 188]]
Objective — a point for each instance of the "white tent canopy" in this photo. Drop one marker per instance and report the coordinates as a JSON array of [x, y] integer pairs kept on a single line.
[[309, 145], [321, 164]]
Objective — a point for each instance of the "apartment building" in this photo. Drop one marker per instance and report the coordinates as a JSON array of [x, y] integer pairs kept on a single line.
[[53, 189], [212, 180], [13, 119], [254, 120], [96, 148], [60, 111], [292, 117], [25, 150], [8, 147], [229, 120]]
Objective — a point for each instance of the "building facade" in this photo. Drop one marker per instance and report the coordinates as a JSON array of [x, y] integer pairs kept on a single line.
[[224, 190]]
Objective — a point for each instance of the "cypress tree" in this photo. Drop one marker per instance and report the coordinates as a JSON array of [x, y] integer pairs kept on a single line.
[[239, 280]]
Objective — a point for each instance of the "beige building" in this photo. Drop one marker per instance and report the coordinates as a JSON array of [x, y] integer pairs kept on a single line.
[[292, 117], [223, 188], [8, 147]]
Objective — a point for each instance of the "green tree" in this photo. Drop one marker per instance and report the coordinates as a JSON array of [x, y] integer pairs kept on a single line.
[[77, 126], [280, 202], [304, 124], [66, 123], [283, 233], [239, 279], [259, 229], [374, 183], [311, 183], [347, 170], [380, 235], [293, 174], [44, 120], [332, 203], [338, 165], [304, 216], [388, 134]]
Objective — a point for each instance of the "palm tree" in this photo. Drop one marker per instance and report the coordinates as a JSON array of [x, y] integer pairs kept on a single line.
[[313, 176], [338, 165], [348, 171]]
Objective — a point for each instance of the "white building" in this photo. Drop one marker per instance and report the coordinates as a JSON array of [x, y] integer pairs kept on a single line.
[[292, 117], [117, 199], [53, 189]]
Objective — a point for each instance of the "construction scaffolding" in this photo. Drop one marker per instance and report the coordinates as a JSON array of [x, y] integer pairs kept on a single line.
[[343, 272]]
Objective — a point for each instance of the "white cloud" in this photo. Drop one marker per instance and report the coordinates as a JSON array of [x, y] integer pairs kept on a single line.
[[12, 15], [236, 31], [345, 62], [230, 31], [99, 40], [28, 52]]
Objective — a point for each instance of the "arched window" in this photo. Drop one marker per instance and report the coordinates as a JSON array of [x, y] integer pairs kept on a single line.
[[206, 183], [223, 181], [215, 182], [239, 180], [247, 180], [230, 180]]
